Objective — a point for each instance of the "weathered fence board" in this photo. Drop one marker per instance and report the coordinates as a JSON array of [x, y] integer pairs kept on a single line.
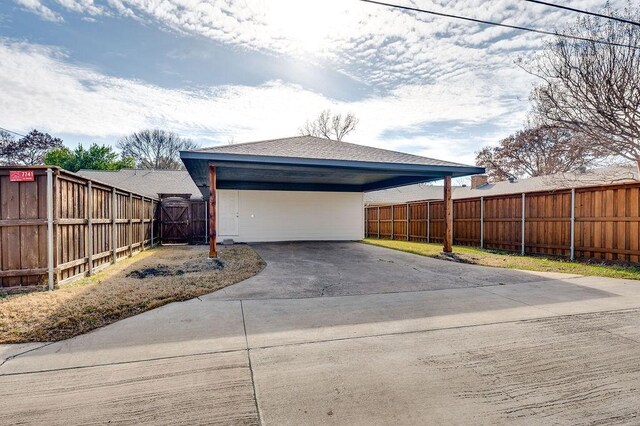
[[604, 222], [83, 228]]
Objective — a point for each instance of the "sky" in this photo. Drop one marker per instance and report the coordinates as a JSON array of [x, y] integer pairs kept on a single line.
[[222, 71]]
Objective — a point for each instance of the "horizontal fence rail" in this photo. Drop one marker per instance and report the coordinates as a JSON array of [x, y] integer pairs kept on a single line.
[[61, 226], [599, 222]]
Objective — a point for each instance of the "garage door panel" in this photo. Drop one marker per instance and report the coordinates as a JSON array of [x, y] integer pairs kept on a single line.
[[298, 215]]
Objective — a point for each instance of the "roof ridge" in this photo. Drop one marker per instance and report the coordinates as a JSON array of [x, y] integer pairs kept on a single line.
[[358, 146]]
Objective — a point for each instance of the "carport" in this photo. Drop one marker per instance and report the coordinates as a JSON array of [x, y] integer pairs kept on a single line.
[[281, 175]]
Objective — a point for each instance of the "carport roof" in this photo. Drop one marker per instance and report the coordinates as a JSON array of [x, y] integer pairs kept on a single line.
[[312, 163]]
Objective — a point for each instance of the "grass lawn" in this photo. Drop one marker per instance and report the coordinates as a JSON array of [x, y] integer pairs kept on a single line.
[[111, 295], [513, 261]]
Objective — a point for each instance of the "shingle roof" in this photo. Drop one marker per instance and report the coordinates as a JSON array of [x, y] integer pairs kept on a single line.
[[147, 182], [601, 176], [324, 149]]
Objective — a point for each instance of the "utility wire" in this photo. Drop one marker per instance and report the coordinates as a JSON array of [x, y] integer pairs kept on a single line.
[[497, 24], [11, 131], [586, 12]]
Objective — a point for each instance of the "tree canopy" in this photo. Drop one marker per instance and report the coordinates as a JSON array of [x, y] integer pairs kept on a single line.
[[29, 150], [97, 157], [594, 88], [330, 126], [155, 148], [537, 151]]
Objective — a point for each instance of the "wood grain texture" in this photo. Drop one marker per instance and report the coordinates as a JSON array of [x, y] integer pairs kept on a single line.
[[607, 222]]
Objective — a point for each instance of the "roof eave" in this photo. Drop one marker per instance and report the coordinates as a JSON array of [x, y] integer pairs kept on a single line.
[[443, 170]]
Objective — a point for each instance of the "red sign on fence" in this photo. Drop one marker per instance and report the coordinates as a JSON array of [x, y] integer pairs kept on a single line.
[[21, 176]]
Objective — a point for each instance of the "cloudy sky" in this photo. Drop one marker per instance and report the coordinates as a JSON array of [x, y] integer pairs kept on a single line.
[[224, 70]]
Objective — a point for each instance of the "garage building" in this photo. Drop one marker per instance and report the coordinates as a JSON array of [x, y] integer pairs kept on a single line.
[[301, 188]]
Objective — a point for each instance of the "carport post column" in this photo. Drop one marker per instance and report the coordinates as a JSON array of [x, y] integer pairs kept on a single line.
[[448, 216], [213, 252]]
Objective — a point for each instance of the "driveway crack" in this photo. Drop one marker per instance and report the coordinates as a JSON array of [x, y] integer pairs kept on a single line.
[[253, 382]]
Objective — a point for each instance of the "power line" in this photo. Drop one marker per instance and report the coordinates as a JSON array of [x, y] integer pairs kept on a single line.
[[497, 24], [11, 131], [586, 12]]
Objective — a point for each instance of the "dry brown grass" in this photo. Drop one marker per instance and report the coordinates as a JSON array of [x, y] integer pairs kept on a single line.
[[110, 295]]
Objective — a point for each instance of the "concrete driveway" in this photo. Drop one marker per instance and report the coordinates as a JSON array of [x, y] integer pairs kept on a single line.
[[345, 333]]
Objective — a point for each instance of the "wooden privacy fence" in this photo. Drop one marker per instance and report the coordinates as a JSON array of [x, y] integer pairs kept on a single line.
[[61, 226], [600, 222]]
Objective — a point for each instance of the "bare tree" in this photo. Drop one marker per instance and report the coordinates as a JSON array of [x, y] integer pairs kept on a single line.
[[155, 148], [330, 126], [28, 150], [594, 88], [538, 151]]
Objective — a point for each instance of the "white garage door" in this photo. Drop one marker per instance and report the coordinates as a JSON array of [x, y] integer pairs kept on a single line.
[[290, 215]]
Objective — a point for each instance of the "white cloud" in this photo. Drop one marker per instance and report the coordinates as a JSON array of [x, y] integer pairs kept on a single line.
[[42, 90], [37, 7]]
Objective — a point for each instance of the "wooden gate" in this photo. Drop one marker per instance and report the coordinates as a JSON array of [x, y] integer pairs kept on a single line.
[[175, 224]]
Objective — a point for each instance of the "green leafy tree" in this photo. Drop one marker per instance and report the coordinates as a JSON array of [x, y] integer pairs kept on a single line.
[[97, 157]]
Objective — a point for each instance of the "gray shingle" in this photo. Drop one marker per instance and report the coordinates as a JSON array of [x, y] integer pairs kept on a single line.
[[147, 182], [324, 149], [601, 176]]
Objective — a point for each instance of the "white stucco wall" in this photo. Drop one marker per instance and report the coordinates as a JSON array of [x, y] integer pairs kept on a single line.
[[292, 215]]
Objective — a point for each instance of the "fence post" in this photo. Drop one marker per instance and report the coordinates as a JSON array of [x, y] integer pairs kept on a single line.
[[141, 224], [523, 219], [50, 266], [206, 220], [378, 222], [90, 226], [114, 230], [130, 224], [392, 223], [151, 217], [481, 222], [366, 227], [428, 222], [573, 224], [408, 219]]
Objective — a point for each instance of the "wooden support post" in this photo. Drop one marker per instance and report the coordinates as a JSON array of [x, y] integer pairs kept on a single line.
[[130, 224], [448, 216], [114, 227], [392, 222], [408, 219], [522, 249], [481, 222], [213, 252], [573, 224], [378, 222], [50, 246], [90, 227], [428, 222]]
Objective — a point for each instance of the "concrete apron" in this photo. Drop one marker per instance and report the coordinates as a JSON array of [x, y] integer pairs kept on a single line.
[[198, 327]]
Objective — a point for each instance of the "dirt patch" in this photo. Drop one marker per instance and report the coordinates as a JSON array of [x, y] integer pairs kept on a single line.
[[189, 267], [146, 281]]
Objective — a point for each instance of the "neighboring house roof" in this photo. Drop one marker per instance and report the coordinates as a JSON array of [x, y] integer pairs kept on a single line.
[[407, 193], [325, 149], [601, 176], [147, 182]]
